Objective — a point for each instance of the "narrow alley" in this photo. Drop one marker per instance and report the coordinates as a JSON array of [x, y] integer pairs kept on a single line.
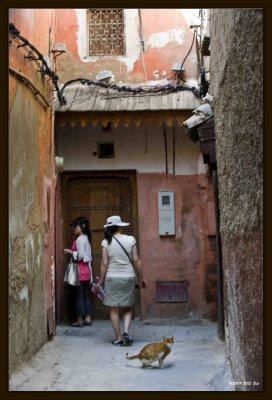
[[85, 360], [144, 125]]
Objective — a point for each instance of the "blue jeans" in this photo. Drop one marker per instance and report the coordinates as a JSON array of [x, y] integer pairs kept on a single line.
[[83, 306]]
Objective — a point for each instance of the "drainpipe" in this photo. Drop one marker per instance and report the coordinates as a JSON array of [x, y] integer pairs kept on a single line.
[[142, 42], [174, 149], [141, 30], [165, 149]]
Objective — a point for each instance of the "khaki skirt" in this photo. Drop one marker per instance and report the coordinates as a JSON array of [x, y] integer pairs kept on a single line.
[[119, 292]]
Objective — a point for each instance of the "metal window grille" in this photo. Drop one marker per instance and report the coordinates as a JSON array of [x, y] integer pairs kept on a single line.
[[106, 32]]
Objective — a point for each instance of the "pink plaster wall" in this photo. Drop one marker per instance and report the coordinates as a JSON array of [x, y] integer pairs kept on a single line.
[[32, 189], [70, 66], [35, 25], [171, 258], [162, 59], [60, 259]]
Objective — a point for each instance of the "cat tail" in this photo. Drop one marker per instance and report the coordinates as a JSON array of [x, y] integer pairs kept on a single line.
[[132, 357]]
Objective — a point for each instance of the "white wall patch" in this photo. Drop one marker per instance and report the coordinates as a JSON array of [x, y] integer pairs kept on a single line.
[[161, 39], [24, 293]]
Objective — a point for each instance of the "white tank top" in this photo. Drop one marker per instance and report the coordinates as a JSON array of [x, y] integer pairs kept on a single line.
[[119, 264]]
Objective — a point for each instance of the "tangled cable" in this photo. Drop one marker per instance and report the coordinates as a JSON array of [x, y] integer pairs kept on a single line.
[[167, 88], [35, 55]]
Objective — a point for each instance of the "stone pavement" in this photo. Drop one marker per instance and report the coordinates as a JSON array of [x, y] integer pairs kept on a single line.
[[83, 359]]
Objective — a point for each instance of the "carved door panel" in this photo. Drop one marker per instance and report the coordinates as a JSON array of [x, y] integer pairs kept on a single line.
[[98, 196]]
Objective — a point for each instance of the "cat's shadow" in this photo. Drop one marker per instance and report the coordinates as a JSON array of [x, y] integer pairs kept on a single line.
[[154, 367]]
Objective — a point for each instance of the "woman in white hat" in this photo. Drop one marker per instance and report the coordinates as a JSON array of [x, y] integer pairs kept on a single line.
[[119, 254]]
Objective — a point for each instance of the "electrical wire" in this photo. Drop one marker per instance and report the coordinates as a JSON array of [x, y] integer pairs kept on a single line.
[[189, 50], [128, 90], [35, 55]]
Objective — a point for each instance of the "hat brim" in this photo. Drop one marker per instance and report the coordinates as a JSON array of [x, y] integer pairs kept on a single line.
[[118, 224]]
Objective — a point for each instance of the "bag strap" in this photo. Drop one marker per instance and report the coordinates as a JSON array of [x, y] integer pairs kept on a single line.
[[123, 249]]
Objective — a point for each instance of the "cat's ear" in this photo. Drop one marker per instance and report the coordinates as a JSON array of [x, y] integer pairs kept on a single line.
[[164, 338], [173, 338]]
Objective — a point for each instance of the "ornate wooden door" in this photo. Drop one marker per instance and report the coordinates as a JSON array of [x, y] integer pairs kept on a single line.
[[98, 195]]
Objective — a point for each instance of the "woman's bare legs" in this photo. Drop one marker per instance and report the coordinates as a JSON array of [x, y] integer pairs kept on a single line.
[[127, 315], [115, 320]]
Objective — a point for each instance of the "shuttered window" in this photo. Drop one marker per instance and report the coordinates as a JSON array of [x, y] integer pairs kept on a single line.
[[106, 31]]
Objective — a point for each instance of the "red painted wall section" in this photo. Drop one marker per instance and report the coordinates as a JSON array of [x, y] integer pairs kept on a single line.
[[32, 189], [48, 203], [60, 258], [35, 25], [66, 24], [156, 58], [178, 258], [156, 21]]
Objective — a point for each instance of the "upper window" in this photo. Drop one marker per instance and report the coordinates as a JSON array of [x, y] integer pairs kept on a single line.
[[106, 31]]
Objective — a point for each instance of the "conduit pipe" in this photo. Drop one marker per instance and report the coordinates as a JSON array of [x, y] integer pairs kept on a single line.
[[31, 84]]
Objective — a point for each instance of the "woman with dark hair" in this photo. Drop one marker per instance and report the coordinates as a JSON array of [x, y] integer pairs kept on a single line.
[[82, 254], [119, 254]]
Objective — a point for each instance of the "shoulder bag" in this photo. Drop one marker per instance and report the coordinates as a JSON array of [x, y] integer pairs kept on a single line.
[[136, 285]]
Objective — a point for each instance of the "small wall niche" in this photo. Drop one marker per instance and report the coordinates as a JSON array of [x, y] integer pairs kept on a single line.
[[105, 150]]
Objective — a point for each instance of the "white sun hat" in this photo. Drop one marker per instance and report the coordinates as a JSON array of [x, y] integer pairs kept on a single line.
[[115, 220]]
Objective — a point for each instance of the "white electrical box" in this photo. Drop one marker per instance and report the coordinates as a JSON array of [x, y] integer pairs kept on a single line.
[[166, 208]]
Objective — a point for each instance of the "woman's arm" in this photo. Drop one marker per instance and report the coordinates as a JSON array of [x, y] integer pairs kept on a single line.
[[68, 251], [72, 251], [137, 262], [103, 266]]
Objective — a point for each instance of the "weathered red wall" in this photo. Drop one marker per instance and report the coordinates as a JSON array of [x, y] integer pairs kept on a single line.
[[60, 259], [172, 258], [155, 21], [35, 25], [70, 66], [32, 190]]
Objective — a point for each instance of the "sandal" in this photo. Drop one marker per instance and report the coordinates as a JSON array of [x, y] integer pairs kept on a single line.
[[77, 325], [117, 342], [127, 339], [88, 323]]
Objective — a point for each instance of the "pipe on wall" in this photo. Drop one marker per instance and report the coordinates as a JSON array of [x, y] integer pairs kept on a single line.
[[142, 42], [165, 148], [29, 83], [174, 149]]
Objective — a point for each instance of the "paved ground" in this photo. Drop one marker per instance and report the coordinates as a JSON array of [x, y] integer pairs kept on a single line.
[[83, 359]]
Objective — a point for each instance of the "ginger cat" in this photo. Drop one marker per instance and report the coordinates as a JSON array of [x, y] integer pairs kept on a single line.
[[154, 352]]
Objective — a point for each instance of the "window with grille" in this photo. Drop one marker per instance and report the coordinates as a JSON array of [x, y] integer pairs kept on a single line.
[[106, 32]]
